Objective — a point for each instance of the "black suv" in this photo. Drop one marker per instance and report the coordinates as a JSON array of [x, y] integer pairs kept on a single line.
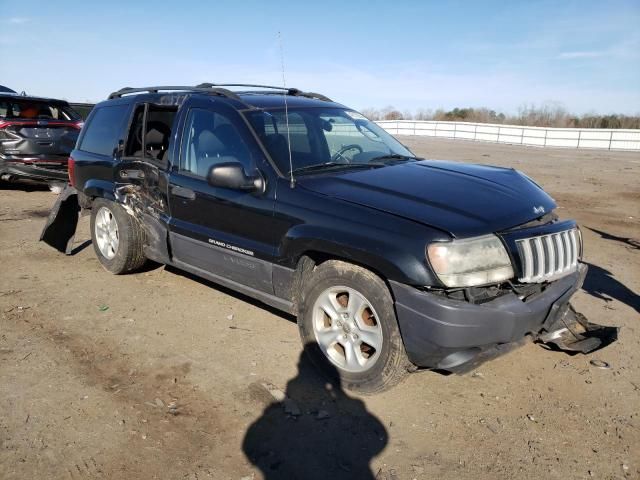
[[36, 137], [390, 262]]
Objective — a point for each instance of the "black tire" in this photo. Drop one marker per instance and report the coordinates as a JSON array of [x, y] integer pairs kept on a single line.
[[129, 255], [392, 364]]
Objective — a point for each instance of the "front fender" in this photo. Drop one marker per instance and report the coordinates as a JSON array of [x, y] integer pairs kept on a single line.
[[402, 262]]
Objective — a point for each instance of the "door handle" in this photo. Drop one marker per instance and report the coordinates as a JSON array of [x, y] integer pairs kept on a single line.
[[183, 192]]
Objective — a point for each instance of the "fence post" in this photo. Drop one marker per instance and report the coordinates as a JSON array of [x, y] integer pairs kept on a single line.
[[610, 138], [579, 136], [545, 137], [475, 132], [455, 129]]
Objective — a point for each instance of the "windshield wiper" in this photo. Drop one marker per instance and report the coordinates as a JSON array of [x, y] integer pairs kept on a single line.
[[330, 166], [394, 156]]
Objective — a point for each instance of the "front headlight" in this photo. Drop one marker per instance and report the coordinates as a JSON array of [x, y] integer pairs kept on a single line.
[[470, 262]]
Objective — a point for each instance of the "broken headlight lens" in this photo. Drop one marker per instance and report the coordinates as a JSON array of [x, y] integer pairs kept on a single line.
[[470, 262]]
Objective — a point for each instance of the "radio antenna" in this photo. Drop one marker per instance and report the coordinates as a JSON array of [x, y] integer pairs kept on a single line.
[[292, 181]]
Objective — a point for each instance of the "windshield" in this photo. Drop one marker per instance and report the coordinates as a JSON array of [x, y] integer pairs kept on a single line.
[[324, 138]]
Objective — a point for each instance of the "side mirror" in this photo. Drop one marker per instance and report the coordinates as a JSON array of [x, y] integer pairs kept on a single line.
[[232, 175]]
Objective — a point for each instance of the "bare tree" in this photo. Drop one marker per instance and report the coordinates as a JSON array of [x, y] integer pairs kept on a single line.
[[550, 114]]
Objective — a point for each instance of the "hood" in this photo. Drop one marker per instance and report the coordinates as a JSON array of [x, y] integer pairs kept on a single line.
[[464, 200]]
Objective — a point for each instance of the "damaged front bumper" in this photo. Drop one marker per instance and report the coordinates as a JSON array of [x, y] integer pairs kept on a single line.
[[455, 335]]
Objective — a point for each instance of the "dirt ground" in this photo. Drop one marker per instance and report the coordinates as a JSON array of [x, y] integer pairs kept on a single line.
[[90, 364]]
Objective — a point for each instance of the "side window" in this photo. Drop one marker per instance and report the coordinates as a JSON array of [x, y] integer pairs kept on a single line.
[[101, 135], [211, 138], [271, 128]]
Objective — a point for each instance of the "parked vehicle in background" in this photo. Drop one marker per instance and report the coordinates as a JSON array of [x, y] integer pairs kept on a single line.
[[390, 262], [83, 109], [36, 137]]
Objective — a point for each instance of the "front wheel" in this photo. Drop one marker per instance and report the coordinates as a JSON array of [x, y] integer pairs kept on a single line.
[[117, 237], [348, 325]]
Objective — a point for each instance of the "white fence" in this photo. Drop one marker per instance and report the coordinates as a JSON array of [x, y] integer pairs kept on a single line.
[[610, 139]]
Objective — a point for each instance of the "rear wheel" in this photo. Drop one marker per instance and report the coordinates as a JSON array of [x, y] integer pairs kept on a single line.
[[348, 325], [117, 237]]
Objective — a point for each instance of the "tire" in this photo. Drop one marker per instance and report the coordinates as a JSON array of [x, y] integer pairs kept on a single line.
[[379, 364], [124, 252]]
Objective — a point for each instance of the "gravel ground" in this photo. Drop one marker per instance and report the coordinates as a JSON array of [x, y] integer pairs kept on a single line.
[[161, 375]]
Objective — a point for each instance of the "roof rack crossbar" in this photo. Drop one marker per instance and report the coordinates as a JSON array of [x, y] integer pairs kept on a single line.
[[300, 93], [211, 90], [212, 85]]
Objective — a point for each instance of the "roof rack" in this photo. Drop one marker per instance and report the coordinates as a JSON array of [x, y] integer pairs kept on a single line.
[[289, 91], [213, 90], [218, 89]]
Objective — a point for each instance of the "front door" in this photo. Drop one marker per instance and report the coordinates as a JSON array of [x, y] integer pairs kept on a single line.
[[220, 231]]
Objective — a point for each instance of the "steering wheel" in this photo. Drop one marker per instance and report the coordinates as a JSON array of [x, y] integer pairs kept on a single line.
[[345, 148]]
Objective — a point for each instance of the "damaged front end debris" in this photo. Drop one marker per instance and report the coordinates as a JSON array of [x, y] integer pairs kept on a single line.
[[573, 333]]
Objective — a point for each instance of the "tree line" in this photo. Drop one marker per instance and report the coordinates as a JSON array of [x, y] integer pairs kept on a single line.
[[529, 115]]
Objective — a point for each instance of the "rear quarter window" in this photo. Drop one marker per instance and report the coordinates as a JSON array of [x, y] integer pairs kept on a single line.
[[103, 130]]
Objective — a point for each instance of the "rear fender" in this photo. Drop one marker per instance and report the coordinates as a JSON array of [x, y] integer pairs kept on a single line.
[[99, 189]]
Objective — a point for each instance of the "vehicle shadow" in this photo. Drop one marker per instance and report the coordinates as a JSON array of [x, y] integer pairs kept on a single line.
[[232, 293], [316, 432], [24, 186], [602, 284], [631, 242]]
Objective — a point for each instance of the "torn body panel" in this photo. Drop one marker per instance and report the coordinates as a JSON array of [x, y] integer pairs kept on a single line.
[[60, 229], [144, 198]]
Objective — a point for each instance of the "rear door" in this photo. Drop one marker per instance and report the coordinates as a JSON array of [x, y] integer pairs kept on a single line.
[[223, 232]]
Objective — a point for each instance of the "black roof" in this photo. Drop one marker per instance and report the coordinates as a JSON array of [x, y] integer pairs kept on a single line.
[[6, 89]]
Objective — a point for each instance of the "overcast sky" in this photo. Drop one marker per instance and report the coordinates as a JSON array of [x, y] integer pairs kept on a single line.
[[584, 55]]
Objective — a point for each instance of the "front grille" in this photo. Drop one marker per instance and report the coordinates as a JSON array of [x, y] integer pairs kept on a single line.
[[549, 257]]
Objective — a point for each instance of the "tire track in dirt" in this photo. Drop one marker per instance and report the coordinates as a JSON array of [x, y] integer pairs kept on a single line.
[[184, 435]]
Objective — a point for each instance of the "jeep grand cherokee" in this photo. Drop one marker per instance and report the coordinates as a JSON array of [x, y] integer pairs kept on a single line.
[[389, 261]]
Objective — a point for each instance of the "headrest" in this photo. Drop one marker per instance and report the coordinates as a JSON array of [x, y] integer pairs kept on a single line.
[[157, 133], [155, 137]]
